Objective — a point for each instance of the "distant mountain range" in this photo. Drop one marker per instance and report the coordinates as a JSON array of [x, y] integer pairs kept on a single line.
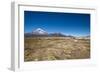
[[41, 33]]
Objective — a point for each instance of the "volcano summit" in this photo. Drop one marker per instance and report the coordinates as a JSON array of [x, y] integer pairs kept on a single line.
[[39, 31]]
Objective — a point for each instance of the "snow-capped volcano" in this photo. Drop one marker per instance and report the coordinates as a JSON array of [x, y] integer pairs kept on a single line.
[[39, 31]]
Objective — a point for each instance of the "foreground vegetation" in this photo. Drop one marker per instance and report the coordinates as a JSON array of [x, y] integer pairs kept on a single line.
[[55, 48]]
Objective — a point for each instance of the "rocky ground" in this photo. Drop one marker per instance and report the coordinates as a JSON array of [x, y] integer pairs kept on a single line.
[[55, 48]]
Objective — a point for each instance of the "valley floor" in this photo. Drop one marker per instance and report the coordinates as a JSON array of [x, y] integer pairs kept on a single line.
[[55, 48]]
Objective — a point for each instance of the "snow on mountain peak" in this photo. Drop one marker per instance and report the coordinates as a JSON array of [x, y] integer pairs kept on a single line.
[[39, 31]]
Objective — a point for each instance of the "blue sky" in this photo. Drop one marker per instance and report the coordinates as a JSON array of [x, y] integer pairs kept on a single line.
[[67, 23]]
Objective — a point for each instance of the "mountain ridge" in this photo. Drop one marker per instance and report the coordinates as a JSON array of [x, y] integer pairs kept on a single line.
[[42, 33]]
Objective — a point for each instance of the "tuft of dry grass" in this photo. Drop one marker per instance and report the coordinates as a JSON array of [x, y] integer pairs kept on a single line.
[[55, 48]]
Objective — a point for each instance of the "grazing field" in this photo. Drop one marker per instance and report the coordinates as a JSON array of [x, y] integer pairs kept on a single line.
[[55, 48]]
